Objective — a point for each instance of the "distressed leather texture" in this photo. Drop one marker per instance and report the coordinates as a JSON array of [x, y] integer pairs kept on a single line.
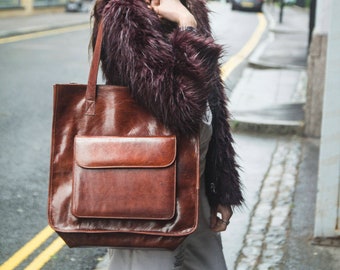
[[124, 177], [118, 177]]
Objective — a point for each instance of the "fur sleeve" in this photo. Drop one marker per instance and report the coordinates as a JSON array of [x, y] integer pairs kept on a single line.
[[171, 76], [223, 185]]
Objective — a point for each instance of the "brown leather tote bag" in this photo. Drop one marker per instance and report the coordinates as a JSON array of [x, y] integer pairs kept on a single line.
[[118, 177]]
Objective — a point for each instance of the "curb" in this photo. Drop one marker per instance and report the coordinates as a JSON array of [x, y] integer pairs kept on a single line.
[[266, 237], [255, 124], [275, 127], [255, 62], [267, 65], [39, 29], [254, 59]]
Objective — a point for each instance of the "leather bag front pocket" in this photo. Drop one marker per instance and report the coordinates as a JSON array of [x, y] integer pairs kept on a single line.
[[124, 177]]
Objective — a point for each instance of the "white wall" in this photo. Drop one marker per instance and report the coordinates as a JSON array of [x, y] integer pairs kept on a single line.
[[323, 15], [328, 196]]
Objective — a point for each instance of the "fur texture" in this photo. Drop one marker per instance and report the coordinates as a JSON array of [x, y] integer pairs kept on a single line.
[[174, 74]]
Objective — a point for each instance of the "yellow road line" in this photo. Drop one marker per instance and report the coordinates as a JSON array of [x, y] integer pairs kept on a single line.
[[46, 255], [234, 61], [27, 249], [44, 33]]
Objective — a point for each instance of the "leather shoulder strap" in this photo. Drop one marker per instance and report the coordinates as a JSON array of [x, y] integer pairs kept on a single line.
[[93, 74]]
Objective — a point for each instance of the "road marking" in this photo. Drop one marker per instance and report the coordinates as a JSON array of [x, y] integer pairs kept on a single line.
[[57, 244], [46, 255], [237, 59], [27, 249], [44, 33]]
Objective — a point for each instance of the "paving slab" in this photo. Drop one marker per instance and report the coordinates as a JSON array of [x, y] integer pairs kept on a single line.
[[250, 148], [271, 93]]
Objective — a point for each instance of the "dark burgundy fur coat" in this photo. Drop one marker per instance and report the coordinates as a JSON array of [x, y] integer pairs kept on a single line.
[[173, 73]]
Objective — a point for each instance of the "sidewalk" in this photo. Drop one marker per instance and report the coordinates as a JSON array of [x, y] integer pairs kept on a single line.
[[279, 168], [275, 229], [275, 104]]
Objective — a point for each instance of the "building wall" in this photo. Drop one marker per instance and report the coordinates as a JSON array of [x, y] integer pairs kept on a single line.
[[10, 8], [315, 84], [316, 69], [327, 224]]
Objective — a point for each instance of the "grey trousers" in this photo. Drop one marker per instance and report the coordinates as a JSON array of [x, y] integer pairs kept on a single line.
[[202, 250]]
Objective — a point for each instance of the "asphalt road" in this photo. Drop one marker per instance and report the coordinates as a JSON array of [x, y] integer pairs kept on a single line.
[[28, 71]]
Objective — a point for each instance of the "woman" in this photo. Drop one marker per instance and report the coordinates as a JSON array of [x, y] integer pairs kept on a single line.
[[163, 51]]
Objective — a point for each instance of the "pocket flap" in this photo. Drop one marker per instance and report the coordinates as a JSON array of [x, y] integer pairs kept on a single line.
[[124, 152]]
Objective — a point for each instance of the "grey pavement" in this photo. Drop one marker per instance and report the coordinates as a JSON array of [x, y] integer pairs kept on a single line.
[[271, 93], [279, 167], [268, 104]]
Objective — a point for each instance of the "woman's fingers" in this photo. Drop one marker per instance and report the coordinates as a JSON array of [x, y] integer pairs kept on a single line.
[[217, 223], [155, 2], [175, 11]]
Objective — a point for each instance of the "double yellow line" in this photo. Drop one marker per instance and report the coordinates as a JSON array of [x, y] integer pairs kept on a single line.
[[23, 253], [30, 247]]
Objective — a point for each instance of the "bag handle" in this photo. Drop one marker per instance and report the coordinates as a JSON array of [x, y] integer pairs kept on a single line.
[[90, 96]]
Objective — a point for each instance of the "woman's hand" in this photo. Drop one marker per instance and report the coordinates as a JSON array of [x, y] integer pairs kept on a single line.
[[220, 224], [173, 10]]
